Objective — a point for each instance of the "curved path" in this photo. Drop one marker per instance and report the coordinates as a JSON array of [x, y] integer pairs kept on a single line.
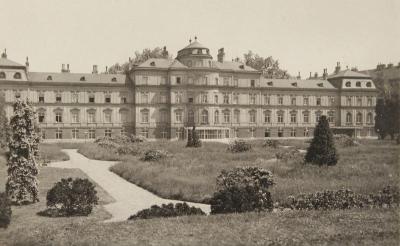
[[129, 198]]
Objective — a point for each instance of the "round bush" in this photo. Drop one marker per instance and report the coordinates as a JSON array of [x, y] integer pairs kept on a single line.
[[239, 146], [271, 143], [72, 197], [241, 190], [167, 210], [154, 155], [5, 210]]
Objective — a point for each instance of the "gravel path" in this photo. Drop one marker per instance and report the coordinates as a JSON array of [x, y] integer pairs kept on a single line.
[[129, 197]]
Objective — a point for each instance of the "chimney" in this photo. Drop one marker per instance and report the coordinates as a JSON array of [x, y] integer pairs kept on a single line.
[[68, 68], [106, 69], [94, 71], [315, 75], [299, 76], [165, 52], [325, 74], [221, 55], [27, 64], [4, 54], [63, 68], [310, 75], [337, 68]]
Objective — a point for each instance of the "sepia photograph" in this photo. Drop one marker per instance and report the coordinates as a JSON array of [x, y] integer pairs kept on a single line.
[[199, 122]]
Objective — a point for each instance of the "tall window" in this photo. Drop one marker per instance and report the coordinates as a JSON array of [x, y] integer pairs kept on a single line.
[[124, 99], [163, 115], [227, 116], [293, 132], [306, 101], [267, 116], [369, 101], [252, 98], [236, 116], [226, 81], [349, 118], [280, 116], [369, 118], [123, 114], [145, 115], [107, 117], [267, 133], [59, 134], [74, 97], [58, 116], [293, 117], [107, 99], [91, 98], [252, 83], [92, 134], [204, 97], [319, 103], [331, 116], [144, 97], [91, 117], [41, 116], [75, 116], [359, 118], [178, 97], [317, 116], [190, 116], [204, 117], [178, 116], [58, 98], [348, 100], [107, 133], [331, 101], [75, 133], [306, 117], [359, 101], [267, 99], [216, 99], [252, 116], [235, 98], [280, 99], [41, 98], [293, 100], [216, 117], [226, 98], [178, 80]]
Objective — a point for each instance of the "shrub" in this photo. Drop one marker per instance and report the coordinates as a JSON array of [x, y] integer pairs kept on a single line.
[[289, 154], [322, 148], [127, 150], [389, 196], [241, 190], [271, 143], [344, 140], [193, 139], [154, 155], [167, 210], [5, 210], [239, 146], [72, 197]]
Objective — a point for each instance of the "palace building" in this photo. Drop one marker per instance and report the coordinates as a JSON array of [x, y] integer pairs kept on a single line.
[[163, 98]]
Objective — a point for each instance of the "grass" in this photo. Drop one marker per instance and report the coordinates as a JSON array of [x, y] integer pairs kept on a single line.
[[190, 174]]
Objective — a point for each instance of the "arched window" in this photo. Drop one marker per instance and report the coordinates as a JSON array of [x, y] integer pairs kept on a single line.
[[369, 118], [144, 113], [236, 116], [107, 115], [75, 116], [178, 116], [59, 116], [204, 116], [41, 115], [49, 77], [82, 78], [280, 116], [306, 117], [252, 116], [227, 116], [123, 114], [267, 116], [2, 75], [114, 79], [368, 84], [293, 117], [17, 75], [91, 116], [317, 116], [216, 117], [358, 84], [348, 84], [359, 118], [331, 116], [349, 118]]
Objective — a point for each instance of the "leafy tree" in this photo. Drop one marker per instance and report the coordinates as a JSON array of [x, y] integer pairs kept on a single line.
[[4, 126], [269, 66], [380, 118], [322, 148], [387, 119], [193, 138], [140, 57], [22, 184]]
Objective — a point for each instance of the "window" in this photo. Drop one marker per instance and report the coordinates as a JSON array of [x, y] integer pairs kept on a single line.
[[267, 133], [107, 133], [280, 99], [58, 117], [235, 82], [178, 80], [145, 80], [306, 132], [226, 81], [280, 116], [293, 117], [82, 78], [370, 118], [123, 114], [2, 75], [91, 117], [17, 75], [216, 117], [236, 116], [369, 84], [349, 117], [75, 133], [91, 98], [178, 116], [41, 117], [114, 79], [59, 134], [74, 97], [318, 102], [145, 115], [235, 98], [348, 84], [216, 81], [58, 98], [123, 99], [252, 83], [179, 134], [280, 132], [293, 100], [306, 117], [204, 97], [331, 101], [144, 96], [267, 116], [369, 101], [163, 97], [331, 116], [359, 118], [317, 116], [306, 101], [178, 97], [359, 101], [267, 99], [41, 98], [293, 132], [227, 116], [204, 117], [75, 116], [107, 99], [190, 116], [163, 115], [123, 132], [216, 99], [252, 98], [252, 131], [226, 98], [164, 134], [17, 94], [358, 84], [252, 116], [92, 134], [107, 117], [348, 101], [163, 81]]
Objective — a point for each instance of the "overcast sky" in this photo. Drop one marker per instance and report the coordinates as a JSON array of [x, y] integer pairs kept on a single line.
[[305, 36]]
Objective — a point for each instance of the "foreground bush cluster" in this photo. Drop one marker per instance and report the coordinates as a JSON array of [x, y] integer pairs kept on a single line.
[[154, 155], [167, 210]]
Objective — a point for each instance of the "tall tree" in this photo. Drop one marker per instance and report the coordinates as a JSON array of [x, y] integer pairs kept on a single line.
[[380, 119], [269, 66], [22, 183], [140, 57], [4, 126], [387, 119], [322, 149]]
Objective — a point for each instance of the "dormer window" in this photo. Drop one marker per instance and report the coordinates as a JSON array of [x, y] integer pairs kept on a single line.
[[49, 78], [114, 79], [195, 51], [368, 84], [17, 76], [2, 75], [348, 84], [358, 84], [241, 66], [82, 78], [320, 85], [270, 83], [178, 80], [152, 64], [294, 84]]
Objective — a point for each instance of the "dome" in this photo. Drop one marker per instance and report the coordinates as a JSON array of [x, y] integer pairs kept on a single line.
[[194, 52]]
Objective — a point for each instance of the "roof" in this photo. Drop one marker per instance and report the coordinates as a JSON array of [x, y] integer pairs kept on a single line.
[[76, 78], [195, 44], [8, 63], [161, 63], [237, 66], [296, 83], [348, 74]]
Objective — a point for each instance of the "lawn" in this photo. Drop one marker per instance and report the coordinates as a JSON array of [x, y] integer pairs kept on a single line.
[[191, 172]]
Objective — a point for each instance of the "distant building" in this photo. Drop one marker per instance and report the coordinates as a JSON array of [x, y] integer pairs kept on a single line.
[[386, 77], [162, 98]]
